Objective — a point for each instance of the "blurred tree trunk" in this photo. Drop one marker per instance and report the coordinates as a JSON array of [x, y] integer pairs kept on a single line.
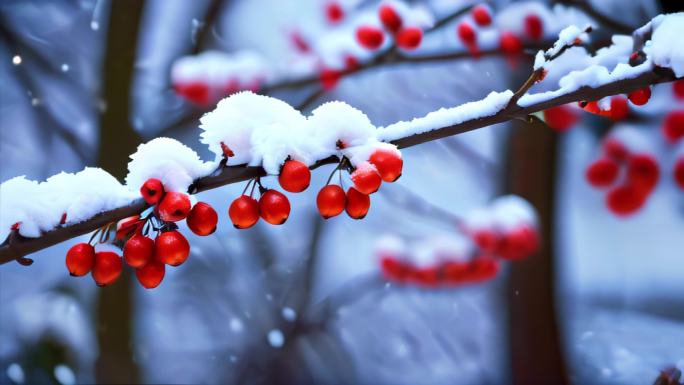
[[535, 339], [117, 141]]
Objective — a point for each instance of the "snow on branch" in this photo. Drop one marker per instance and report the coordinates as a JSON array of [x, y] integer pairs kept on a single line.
[[253, 135]]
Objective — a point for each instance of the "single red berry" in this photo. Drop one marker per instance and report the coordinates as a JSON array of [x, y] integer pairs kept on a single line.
[[174, 207], [274, 207], [678, 89], [615, 150], [409, 38], [455, 272], [560, 118], [534, 27], [244, 212], [510, 44], [487, 240], [151, 275], [197, 93], [294, 176], [388, 163], [643, 172], [626, 199], [481, 15], [619, 108], [518, 243], [483, 269], [351, 63], [358, 204], [390, 18], [393, 269], [138, 250], [107, 268], [370, 37], [331, 201], [80, 259], [334, 12], [152, 191], [171, 248], [602, 172], [227, 152], [366, 178], [466, 33], [673, 126], [640, 97], [329, 78], [202, 219], [678, 172]]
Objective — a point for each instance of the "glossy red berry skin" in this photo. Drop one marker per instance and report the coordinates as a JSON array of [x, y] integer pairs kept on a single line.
[[274, 207], [334, 12], [331, 201], [482, 16], [370, 37], [171, 248], [202, 219], [619, 108], [409, 38], [390, 18], [358, 204], [138, 251], [678, 173], [244, 212], [466, 33], [152, 191], [80, 259], [602, 172], [643, 172], [560, 118], [534, 27], [673, 126], [625, 200], [151, 275], [174, 207], [640, 97], [366, 178], [107, 268], [294, 176], [510, 44], [388, 163]]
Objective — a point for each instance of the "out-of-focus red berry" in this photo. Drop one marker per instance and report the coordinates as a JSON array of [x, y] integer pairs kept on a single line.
[[678, 172], [334, 12], [640, 97], [482, 15], [673, 126], [510, 44], [626, 199], [560, 118], [602, 172], [390, 18], [409, 38], [534, 27], [643, 172], [370, 37]]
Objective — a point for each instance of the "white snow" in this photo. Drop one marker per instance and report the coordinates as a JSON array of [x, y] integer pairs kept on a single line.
[[667, 46], [168, 160], [276, 338]]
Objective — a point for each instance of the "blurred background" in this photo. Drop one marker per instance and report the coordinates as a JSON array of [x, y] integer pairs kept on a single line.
[[84, 82]]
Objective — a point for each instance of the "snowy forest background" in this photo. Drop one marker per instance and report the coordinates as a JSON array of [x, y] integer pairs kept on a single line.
[[602, 303]]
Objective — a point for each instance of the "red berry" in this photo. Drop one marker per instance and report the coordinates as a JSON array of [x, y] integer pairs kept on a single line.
[[151, 275], [602, 173], [388, 163], [455, 272], [331, 201], [202, 219], [534, 27], [483, 269], [174, 207], [390, 18], [370, 37], [482, 16], [560, 118], [673, 126], [487, 240], [625, 200], [329, 78], [244, 212], [299, 42], [510, 44], [619, 109], [409, 38], [274, 207], [466, 33], [80, 259], [107, 268], [678, 89], [640, 97], [138, 250], [351, 63], [358, 204], [643, 172], [366, 178], [679, 173], [334, 12], [591, 107], [425, 276], [295, 176], [518, 243], [152, 191], [171, 248], [615, 150], [393, 269]]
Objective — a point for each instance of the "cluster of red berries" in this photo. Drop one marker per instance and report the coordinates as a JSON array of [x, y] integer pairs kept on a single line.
[[295, 176], [448, 273], [511, 244], [406, 37], [203, 94], [146, 255], [509, 42], [630, 177]]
